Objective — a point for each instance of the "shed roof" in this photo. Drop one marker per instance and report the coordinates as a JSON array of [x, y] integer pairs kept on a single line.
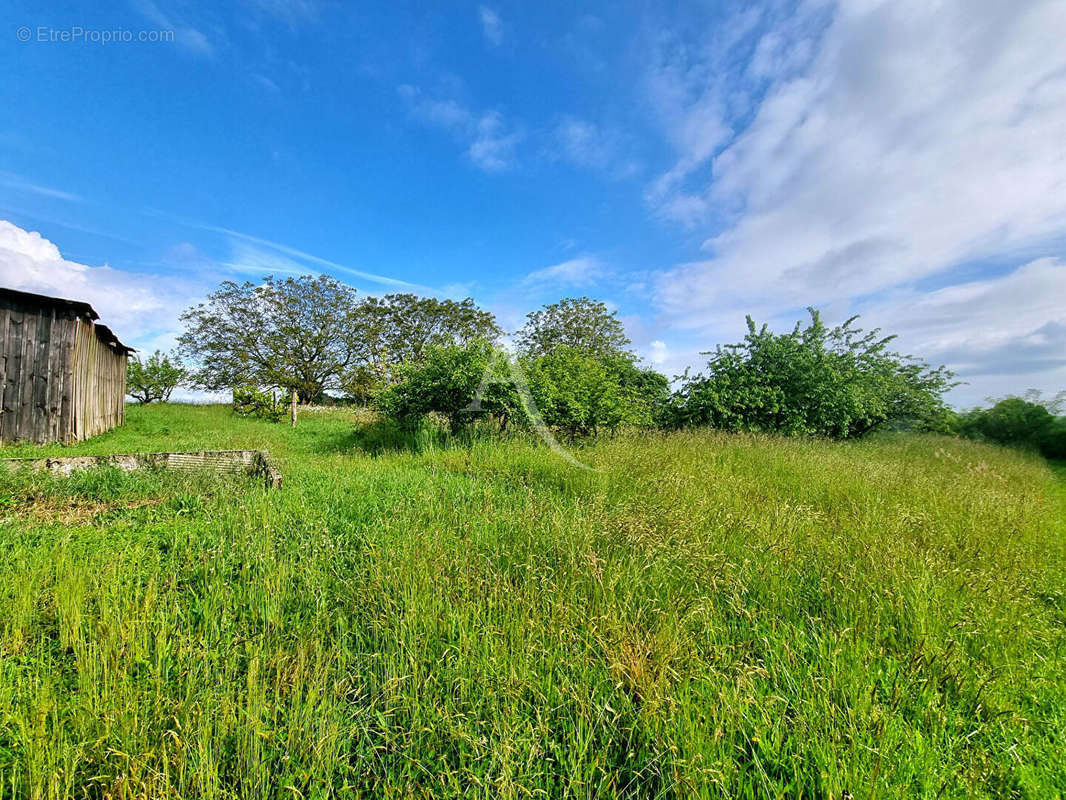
[[78, 307]]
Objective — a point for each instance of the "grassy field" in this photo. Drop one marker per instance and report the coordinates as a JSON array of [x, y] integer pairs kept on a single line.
[[709, 615]]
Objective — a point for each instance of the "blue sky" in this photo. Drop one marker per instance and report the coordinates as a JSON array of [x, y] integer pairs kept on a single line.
[[688, 163]]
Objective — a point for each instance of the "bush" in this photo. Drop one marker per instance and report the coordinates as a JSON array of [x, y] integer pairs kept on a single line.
[[1018, 422], [581, 393], [839, 383], [250, 401], [446, 381]]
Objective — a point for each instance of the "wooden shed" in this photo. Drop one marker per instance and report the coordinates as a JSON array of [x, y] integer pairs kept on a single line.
[[62, 373]]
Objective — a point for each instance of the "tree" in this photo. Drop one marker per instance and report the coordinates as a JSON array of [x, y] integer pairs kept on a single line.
[[583, 324], [574, 391], [582, 393], [154, 379], [296, 334], [398, 329], [841, 383], [1027, 422], [446, 381]]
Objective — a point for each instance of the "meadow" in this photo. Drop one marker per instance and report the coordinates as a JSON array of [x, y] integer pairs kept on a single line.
[[708, 615]]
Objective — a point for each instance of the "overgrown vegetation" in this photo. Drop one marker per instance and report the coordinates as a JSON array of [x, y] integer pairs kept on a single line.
[[248, 401], [1027, 422], [711, 615], [839, 382], [573, 368]]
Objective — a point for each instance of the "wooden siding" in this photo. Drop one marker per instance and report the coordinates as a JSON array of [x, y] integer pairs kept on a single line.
[[58, 381]]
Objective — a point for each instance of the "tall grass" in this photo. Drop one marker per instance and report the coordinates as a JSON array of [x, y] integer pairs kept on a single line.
[[707, 616]]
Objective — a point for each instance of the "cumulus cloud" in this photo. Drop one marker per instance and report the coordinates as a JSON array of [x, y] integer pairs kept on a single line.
[[490, 141], [583, 271], [130, 304]]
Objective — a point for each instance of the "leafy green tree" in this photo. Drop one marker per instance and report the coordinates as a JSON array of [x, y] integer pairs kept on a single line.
[[398, 329], [574, 391], [581, 393], [647, 391], [579, 323], [841, 382], [446, 381], [296, 334], [1019, 422], [155, 378]]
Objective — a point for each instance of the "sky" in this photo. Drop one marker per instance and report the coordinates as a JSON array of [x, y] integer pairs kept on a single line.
[[687, 163]]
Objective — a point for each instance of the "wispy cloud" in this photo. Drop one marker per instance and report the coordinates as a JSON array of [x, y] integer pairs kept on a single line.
[[491, 25], [577, 272], [190, 38], [22, 185], [490, 141], [879, 146], [592, 146], [251, 259]]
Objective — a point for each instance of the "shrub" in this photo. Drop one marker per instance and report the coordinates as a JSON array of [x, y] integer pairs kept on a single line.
[[840, 382], [1018, 422], [446, 381], [581, 393], [250, 401]]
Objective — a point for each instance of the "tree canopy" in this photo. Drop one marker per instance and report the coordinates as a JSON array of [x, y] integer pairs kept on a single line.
[[1028, 422], [295, 334], [577, 322], [399, 328]]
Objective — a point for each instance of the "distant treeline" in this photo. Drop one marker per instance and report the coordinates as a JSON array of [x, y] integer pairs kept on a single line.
[[570, 368]]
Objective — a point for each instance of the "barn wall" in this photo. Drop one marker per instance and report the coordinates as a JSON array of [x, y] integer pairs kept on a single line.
[[35, 379], [58, 381], [99, 384]]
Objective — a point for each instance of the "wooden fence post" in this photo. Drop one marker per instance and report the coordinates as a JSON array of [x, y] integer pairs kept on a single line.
[[294, 408]]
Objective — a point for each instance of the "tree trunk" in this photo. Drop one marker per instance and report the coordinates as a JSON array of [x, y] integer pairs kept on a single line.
[[294, 408]]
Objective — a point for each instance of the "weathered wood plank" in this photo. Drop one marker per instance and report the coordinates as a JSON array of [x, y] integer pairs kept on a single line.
[[58, 380]]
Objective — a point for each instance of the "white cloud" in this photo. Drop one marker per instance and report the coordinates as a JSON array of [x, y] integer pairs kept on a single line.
[[1001, 334], [190, 38], [890, 141], [250, 253], [589, 145], [921, 136], [130, 304], [489, 140], [491, 25], [658, 352], [583, 271]]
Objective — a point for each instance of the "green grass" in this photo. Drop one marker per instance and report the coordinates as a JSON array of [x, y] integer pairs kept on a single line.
[[709, 615]]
